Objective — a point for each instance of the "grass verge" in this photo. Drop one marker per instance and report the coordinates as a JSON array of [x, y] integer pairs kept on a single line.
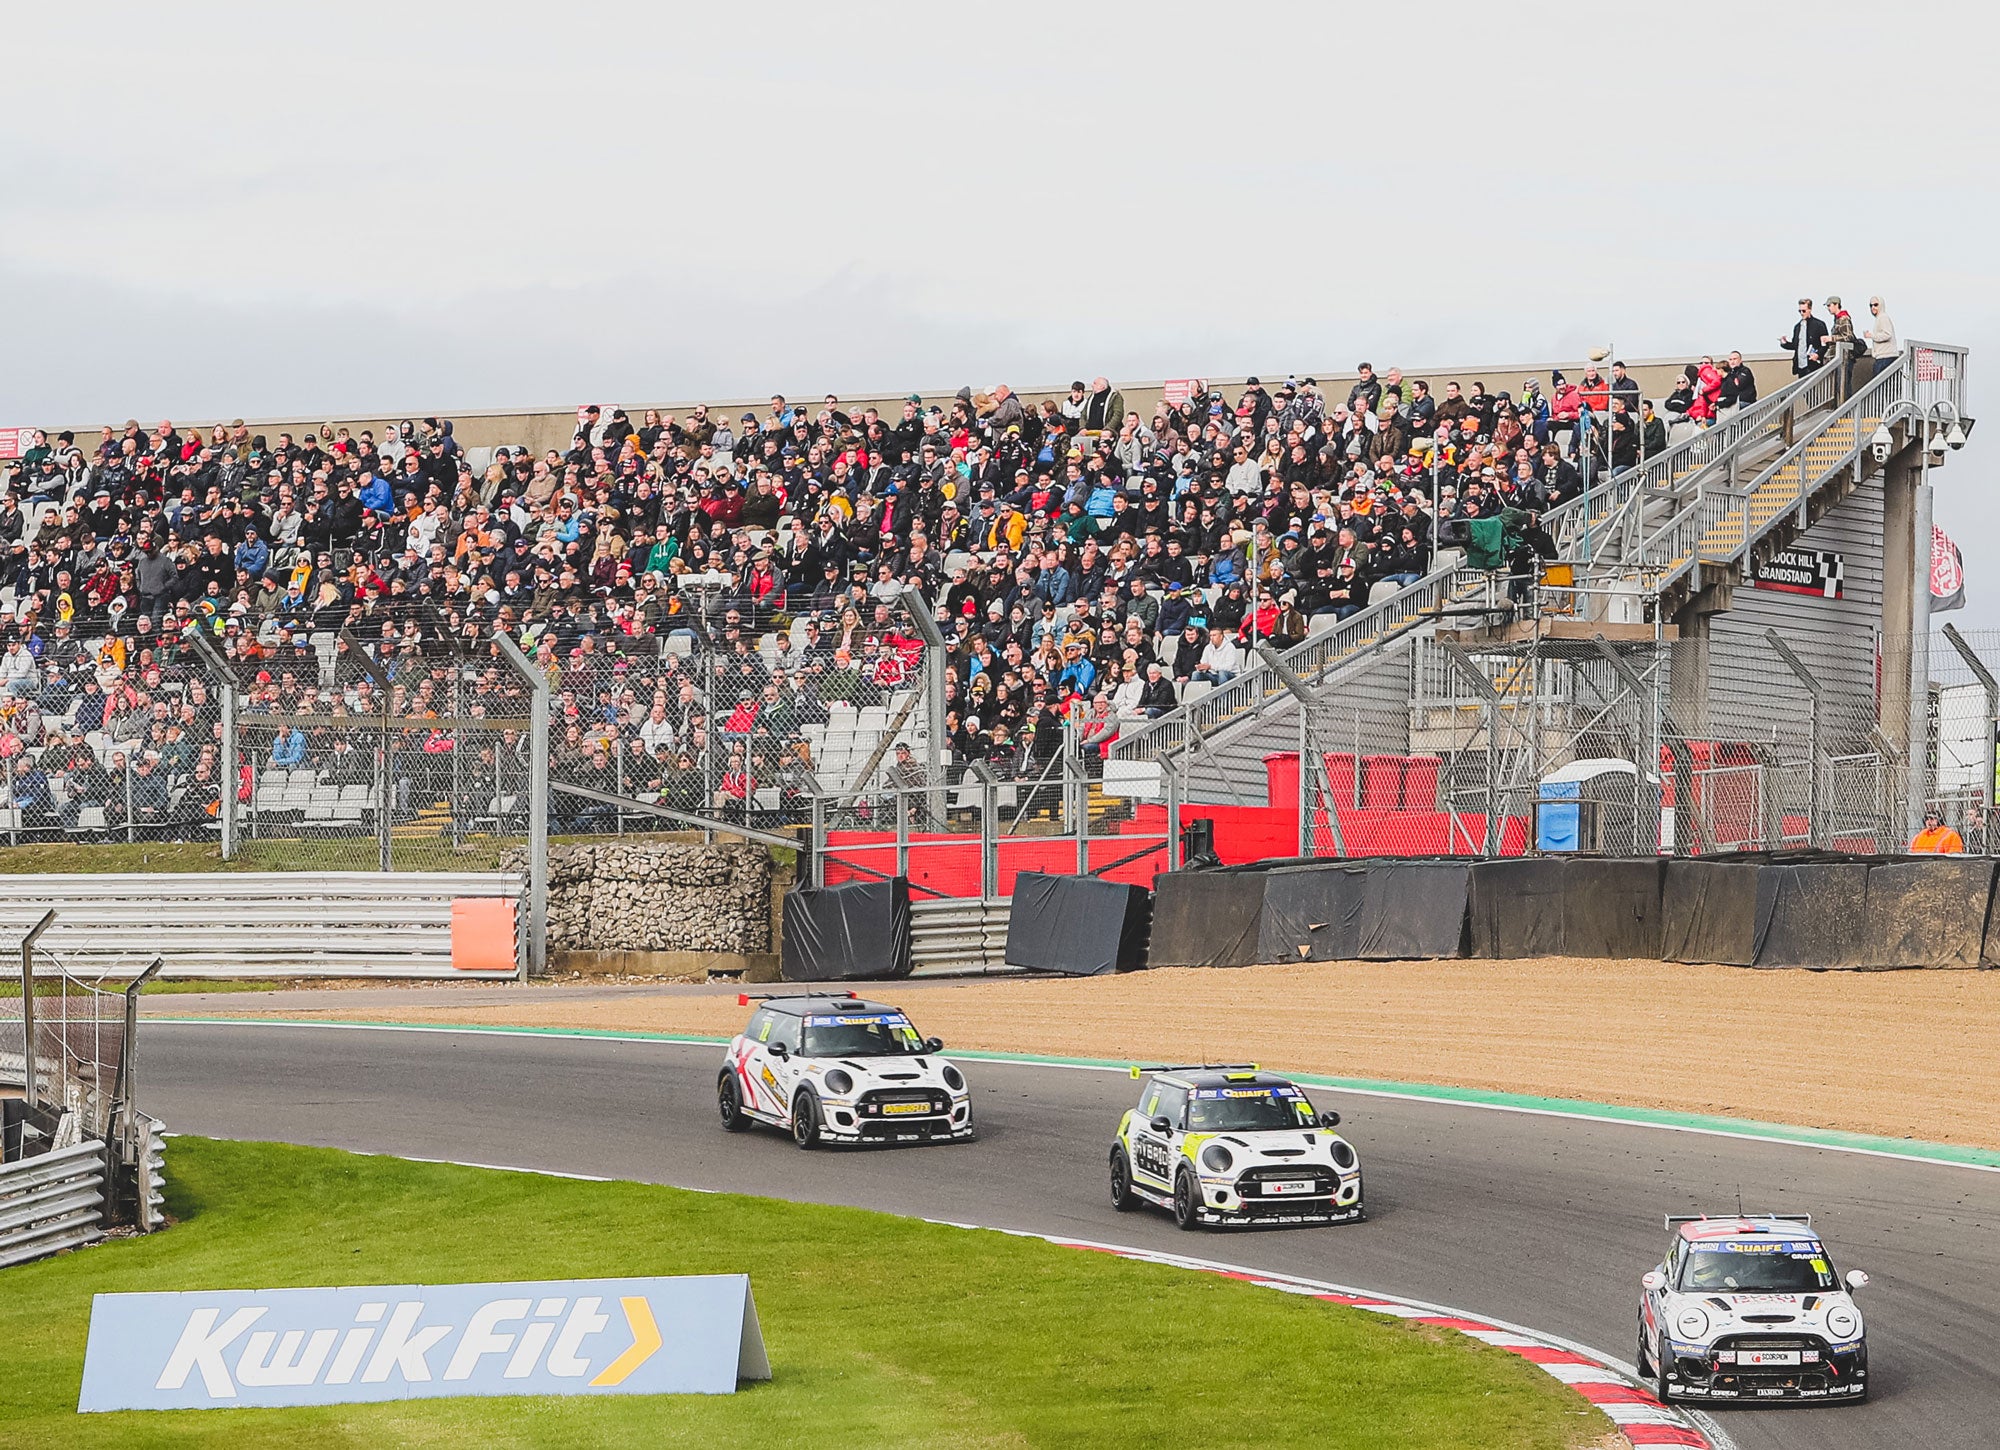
[[158, 987], [883, 1332]]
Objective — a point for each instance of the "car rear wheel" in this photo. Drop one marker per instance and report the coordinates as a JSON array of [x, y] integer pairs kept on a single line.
[[1187, 1206], [1121, 1181], [729, 1102], [805, 1119]]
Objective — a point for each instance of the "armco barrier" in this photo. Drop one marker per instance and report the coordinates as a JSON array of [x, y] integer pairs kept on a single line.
[[52, 1202], [276, 923]]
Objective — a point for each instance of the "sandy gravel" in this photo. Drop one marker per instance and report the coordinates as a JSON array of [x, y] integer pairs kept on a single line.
[[1912, 1054]]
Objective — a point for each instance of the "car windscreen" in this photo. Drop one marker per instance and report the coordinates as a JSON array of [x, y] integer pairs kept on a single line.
[[1247, 1110], [887, 1034], [1799, 1267]]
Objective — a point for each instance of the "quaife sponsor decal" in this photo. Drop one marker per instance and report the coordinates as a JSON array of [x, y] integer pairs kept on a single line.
[[279, 1347]]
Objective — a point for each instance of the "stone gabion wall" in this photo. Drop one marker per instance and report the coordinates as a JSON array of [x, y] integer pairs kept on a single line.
[[657, 896]]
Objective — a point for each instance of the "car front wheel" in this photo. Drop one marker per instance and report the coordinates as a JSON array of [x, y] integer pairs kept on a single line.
[[805, 1120], [1187, 1206], [729, 1102], [1642, 1359]]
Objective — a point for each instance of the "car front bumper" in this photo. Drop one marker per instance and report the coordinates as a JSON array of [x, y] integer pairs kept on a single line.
[[1717, 1374]]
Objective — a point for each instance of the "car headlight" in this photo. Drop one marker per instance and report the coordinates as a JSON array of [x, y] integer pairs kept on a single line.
[[1343, 1155], [953, 1079], [839, 1083], [1216, 1159], [1691, 1323], [1842, 1322]]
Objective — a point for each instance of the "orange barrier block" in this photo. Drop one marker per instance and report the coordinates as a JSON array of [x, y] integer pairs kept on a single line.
[[482, 934]]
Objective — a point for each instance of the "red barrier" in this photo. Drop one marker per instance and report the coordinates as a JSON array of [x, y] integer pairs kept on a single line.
[[1381, 782]]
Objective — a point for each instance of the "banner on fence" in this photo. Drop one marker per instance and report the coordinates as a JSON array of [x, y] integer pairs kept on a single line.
[[284, 1347]]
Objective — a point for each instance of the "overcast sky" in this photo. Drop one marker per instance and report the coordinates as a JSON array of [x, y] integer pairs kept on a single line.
[[213, 209]]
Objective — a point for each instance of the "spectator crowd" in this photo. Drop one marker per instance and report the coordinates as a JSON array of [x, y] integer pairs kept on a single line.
[[706, 592]]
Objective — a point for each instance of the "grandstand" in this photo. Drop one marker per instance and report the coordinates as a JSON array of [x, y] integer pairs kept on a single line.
[[1372, 615]]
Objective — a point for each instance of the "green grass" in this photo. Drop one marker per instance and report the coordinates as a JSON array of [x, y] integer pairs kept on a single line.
[[883, 1332], [159, 986]]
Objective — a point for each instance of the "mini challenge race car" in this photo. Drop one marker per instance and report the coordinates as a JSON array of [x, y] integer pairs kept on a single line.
[[1749, 1308], [836, 1069], [1229, 1145]]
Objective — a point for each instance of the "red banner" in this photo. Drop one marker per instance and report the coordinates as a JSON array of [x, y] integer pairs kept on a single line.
[[1947, 573]]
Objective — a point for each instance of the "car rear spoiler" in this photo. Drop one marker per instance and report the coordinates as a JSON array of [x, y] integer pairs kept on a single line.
[[744, 999], [1674, 1218], [1139, 1070]]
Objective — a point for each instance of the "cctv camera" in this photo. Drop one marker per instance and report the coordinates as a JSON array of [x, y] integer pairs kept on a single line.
[[1881, 442], [1955, 439]]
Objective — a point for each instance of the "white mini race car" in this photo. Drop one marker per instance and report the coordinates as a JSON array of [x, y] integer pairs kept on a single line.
[[837, 1069], [1227, 1145], [1749, 1308]]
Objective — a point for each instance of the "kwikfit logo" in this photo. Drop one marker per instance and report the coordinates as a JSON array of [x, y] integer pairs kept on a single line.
[[386, 1343], [274, 1347]]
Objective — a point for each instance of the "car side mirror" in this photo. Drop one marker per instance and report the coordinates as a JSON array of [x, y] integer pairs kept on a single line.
[[779, 1050], [933, 1044], [1652, 1279], [1163, 1125], [1855, 1278], [1329, 1120]]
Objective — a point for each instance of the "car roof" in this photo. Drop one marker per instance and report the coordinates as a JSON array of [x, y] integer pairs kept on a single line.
[[1734, 1229], [1222, 1077], [829, 1005]]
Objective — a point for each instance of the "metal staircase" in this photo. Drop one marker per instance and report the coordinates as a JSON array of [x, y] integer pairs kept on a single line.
[[1215, 744], [1718, 523]]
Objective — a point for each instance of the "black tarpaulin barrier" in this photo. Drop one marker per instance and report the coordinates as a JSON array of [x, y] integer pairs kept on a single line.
[[1313, 913], [856, 932], [1078, 925], [1611, 907], [1515, 908], [1415, 910], [1812, 915], [1378, 909], [1927, 913], [1708, 911], [1206, 918]]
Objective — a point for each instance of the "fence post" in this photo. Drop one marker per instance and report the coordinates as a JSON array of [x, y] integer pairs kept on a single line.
[[31, 1085], [538, 800], [126, 1095], [1815, 824], [1476, 677], [1992, 688], [228, 766]]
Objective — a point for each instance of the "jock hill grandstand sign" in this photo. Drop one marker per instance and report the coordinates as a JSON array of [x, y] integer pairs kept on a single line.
[[1803, 571], [281, 1347]]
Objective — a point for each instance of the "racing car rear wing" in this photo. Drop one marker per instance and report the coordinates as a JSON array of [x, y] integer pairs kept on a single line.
[[1139, 1069], [1802, 1218], [744, 999]]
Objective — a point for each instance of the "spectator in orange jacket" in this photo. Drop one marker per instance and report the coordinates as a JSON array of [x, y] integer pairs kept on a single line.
[[1936, 838]]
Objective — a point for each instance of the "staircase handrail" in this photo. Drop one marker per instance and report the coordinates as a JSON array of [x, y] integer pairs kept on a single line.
[[1679, 539]]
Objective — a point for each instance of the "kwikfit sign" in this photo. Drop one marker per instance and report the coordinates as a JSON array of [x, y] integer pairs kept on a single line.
[[211, 1350]]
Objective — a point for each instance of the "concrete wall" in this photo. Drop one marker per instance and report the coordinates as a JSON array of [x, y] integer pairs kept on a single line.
[[543, 428]]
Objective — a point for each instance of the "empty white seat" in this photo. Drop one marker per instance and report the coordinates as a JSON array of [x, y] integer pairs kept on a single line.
[[90, 818], [1194, 689], [767, 799]]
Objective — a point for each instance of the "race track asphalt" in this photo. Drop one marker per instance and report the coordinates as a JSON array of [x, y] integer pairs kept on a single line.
[[1543, 1221]]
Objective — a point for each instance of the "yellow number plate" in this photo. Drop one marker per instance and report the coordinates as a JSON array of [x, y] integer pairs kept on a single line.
[[906, 1108]]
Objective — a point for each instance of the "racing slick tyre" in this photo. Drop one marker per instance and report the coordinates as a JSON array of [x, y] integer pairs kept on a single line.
[[805, 1119], [1121, 1182], [1187, 1201], [1656, 1380], [729, 1101], [1642, 1358]]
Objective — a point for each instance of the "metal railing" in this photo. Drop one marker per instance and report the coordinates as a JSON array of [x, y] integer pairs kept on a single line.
[[1720, 523], [954, 936], [52, 1202], [287, 923], [1456, 584]]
